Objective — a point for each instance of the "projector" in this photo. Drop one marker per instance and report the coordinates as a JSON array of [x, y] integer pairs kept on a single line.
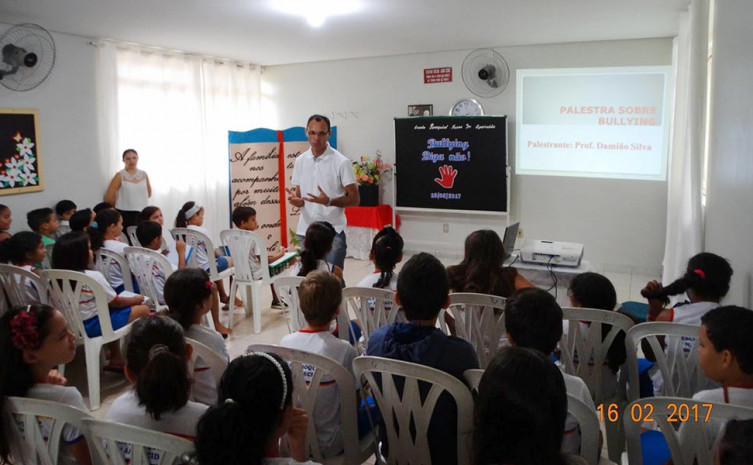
[[551, 252]]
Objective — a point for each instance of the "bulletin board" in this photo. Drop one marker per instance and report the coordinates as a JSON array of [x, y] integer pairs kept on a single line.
[[20, 154]]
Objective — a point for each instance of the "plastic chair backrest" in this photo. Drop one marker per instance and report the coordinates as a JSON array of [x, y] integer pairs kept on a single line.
[[409, 409], [118, 444], [65, 292], [105, 260], [584, 351], [480, 320], [217, 364], [589, 428], [199, 240], [370, 307], [131, 231], [683, 422], [143, 264], [40, 423], [287, 291], [677, 361], [473, 378], [305, 396], [22, 287], [242, 244]]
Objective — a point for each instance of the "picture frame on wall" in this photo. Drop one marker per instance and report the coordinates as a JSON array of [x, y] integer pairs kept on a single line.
[[421, 110], [20, 154]]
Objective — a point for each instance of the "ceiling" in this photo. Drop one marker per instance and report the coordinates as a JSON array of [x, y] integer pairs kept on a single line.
[[254, 31]]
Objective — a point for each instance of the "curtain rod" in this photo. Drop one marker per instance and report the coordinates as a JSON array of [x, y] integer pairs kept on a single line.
[[169, 52]]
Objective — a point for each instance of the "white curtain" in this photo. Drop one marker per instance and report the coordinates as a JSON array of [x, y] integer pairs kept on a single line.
[[684, 211], [176, 110]]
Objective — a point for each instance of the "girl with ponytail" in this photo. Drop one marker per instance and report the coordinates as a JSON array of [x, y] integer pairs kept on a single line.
[[386, 253], [706, 282], [157, 365], [316, 245], [254, 410]]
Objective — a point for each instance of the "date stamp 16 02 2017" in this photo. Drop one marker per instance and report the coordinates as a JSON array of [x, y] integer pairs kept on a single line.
[[678, 413]]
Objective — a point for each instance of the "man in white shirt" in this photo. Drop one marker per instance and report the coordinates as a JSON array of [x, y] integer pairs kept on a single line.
[[323, 184]]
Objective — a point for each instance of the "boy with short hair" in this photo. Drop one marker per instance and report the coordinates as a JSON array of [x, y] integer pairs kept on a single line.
[[64, 210], [422, 291], [149, 234], [43, 221], [320, 295]]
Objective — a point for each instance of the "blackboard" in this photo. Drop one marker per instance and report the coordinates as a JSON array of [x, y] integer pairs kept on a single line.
[[452, 163]]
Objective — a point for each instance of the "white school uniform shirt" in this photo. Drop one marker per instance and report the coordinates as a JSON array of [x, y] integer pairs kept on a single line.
[[371, 279], [331, 171], [116, 274], [204, 387], [30, 290], [577, 388], [202, 254], [126, 409], [66, 395], [742, 396], [321, 265], [327, 409], [86, 303]]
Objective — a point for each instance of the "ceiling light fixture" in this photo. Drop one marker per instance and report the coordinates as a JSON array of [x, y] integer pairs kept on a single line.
[[316, 13]]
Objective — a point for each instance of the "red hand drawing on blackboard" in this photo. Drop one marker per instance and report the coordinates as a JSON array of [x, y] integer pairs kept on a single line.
[[447, 179]]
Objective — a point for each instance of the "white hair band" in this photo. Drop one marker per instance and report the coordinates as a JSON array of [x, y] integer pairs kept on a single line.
[[282, 375], [193, 210]]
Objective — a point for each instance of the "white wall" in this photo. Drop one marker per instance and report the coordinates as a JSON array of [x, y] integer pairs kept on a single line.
[[622, 223], [69, 141], [729, 212]]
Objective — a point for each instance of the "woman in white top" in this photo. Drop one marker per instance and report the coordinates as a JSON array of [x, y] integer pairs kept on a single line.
[[129, 189]]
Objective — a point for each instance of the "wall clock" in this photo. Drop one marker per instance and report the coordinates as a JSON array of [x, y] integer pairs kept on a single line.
[[467, 107]]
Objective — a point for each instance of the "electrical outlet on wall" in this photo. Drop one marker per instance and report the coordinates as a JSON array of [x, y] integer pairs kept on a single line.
[[520, 233], [445, 228]]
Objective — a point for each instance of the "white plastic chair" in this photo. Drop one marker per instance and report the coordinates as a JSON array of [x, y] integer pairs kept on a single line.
[[65, 290], [131, 231], [480, 320], [584, 354], [40, 425], [142, 263], [47, 260], [678, 363], [242, 244], [380, 373], [15, 284], [105, 260], [118, 444], [287, 291], [305, 396], [688, 440], [194, 238], [216, 363], [369, 304]]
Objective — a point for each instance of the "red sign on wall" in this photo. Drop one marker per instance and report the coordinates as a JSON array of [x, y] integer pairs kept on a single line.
[[436, 75]]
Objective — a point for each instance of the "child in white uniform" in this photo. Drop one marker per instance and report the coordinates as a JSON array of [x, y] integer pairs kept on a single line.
[[254, 410], [157, 367], [149, 235], [34, 340], [316, 245], [109, 225], [23, 250], [190, 294], [386, 252]]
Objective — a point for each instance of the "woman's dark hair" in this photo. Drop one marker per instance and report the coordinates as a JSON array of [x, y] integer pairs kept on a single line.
[[237, 430], [316, 244], [15, 248], [520, 410], [185, 290], [71, 251], [126, 151], [180, 220], [730, 328], [387, 250], [104, 219], [147, 212], [481, 269], [735, 447], [156, 355], [80, 219], [708, 275], [593, 290], [16, 377]]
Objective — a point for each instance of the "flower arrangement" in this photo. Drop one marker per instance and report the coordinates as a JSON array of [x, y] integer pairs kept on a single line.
[[369, 171]]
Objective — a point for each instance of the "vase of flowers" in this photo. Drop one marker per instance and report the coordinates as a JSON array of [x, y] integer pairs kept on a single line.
[[368, 173]]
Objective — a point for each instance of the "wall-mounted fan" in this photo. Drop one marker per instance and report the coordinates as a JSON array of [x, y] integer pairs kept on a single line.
[[485, 72], [28, 55]]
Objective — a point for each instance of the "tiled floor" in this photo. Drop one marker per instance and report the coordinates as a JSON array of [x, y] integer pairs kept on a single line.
[[274, 327]]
